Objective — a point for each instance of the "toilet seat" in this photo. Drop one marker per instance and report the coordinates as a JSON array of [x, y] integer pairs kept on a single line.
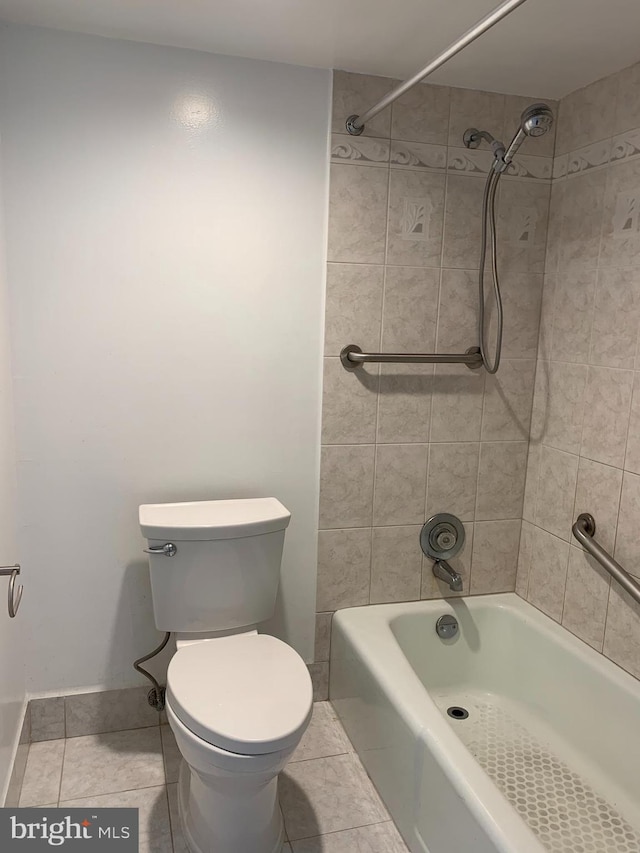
[[247, 694]]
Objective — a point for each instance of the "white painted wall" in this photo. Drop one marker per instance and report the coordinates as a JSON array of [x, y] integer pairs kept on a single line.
[[165, 225], [12, 631]]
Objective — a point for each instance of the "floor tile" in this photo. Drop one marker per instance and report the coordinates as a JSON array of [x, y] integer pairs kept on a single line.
[[324, 737], [41, 782], [179, 844], [108, 763], [171, 754], [326, 795], [153, 815], [380, 838]]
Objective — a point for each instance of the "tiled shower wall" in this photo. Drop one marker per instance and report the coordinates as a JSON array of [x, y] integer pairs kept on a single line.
[[585, 435], [403, 442]]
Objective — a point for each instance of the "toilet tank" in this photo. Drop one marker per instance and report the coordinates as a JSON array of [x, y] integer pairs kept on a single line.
[[226, 567]]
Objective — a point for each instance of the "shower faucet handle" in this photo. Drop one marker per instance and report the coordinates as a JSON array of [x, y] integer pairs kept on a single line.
[[167, 550]]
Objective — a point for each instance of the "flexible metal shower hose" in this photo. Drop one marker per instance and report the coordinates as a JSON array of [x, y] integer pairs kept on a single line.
[[489, 229]]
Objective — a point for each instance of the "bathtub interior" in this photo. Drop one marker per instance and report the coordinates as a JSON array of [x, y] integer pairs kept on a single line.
[[536, 697], [549, 720]]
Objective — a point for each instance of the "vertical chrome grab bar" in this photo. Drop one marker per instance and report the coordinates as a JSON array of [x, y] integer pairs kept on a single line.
[[14, 595], [584, 529]]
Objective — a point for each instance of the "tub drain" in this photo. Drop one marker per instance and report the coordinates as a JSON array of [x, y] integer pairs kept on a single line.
[[457, 712]]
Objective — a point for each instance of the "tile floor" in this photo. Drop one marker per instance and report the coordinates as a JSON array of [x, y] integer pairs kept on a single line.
[[328, 801]]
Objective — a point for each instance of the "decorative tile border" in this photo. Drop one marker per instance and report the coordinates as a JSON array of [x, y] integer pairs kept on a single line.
[[626, 146], [360, 150], [530, 168], [590, 157], [419, 156], [560, 166], [469, 161]]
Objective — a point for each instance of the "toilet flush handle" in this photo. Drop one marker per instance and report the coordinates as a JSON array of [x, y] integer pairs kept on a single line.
[[168, 550]]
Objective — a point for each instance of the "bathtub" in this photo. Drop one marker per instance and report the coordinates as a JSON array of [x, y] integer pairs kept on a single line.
[[548, 758]]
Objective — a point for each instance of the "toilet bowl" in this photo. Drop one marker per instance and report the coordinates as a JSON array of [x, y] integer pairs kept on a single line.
[[238, 707], [238, 702]]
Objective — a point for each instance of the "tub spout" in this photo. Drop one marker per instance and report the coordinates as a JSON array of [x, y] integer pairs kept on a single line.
[[443, 570]]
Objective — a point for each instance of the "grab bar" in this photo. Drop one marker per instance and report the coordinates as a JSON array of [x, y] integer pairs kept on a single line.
[[15, 595], [352, 357], [584, 530]]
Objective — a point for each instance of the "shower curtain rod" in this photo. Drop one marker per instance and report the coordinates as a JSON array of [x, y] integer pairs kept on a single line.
[[356, 123]]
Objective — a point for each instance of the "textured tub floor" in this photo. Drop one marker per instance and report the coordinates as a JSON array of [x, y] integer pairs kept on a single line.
[[328, 802]]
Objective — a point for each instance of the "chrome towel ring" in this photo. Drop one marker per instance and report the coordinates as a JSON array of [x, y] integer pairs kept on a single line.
[[14, 595]]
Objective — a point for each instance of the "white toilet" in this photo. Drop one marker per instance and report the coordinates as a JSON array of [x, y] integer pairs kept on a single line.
[[237, 701]]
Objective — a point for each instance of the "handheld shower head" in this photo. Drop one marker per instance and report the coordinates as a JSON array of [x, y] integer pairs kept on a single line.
[[535, 121]]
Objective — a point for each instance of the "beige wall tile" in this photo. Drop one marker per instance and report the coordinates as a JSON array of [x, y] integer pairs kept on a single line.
[[353, 311], [396, 564], [573, 316], [457, 403], [501, 478], [616, 318], [620, 231], [404, 403], [344, 568], [521, 298], [452, 479], [495, 556], [422, 115], [558, 406], [357, 214], [606, 415], [416, 213], [355, 93], [410, 309], [346, 486], [523, 210], [547, 316], [622, 632], [433, 587], [554, 230], [632, 456], [627, 549], [581, 221], [587, 115], [349, 403], [462, 233], [508, 400], [322, 645], [548, 572], [400, 484], [525, 552], [628, 103], [556, 492], [471, 108], [319, 673], [586, 598], [531, 482], [458, 310], [598, 493]]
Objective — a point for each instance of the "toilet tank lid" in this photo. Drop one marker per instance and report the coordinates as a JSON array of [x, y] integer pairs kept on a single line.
[[204, 520]]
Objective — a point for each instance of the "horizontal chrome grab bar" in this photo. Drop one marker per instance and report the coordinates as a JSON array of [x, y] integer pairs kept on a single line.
[[352, 357], [584, 530]]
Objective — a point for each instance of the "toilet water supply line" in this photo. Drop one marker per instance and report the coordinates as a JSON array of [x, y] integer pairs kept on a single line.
[[156, 696]]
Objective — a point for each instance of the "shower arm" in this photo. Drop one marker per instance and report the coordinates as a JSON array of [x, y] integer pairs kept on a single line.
[[355, 124]]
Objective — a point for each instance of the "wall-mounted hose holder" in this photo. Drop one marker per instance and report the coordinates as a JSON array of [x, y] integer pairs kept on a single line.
[[156, 696], [15, 594]]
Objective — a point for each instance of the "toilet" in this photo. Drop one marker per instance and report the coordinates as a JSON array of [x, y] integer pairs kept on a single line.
[[238, 702]]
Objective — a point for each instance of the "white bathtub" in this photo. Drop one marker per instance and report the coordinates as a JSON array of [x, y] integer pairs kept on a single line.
[[549, 757]]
